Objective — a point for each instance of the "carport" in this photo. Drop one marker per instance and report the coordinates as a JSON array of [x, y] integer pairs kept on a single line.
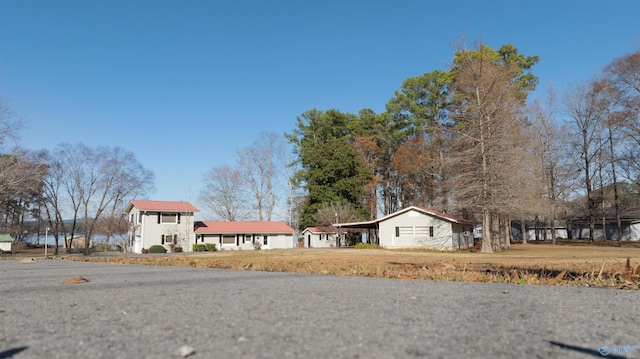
[[370, 227]]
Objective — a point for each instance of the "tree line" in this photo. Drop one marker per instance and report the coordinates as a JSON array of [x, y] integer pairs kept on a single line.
[[74, 189]]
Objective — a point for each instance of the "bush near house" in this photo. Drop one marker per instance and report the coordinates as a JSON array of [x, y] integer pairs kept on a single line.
[[367, 246], [157, 249], [201, 247]]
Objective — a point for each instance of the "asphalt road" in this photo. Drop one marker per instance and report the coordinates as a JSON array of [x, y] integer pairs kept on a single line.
[[127, 311]]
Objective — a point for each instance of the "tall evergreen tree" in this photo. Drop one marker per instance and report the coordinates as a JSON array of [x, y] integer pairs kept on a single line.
[[331, 169]]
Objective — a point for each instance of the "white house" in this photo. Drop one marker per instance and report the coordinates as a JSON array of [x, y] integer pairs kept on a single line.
[[245, 235], [418, 227], [314, 237], [166, 223]]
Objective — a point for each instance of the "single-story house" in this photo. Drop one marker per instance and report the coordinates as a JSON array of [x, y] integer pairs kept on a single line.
[[77, 243], [579, 229], [166, 223], [245, 235], [542, 229], [418, 227], [5, 243], [316, 237]]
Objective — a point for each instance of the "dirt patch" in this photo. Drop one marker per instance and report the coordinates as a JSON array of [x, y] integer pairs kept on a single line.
[[539, 264]]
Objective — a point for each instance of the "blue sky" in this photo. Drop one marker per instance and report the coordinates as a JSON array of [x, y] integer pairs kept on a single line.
[[183, 84]]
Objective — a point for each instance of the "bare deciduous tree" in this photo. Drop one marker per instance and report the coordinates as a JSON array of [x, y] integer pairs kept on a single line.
[[223, 193], [586, 111], [547, 136], [95, 181], [262, 163]]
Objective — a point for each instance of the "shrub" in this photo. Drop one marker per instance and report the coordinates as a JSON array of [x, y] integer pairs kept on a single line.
[[145, 251], [199, 247], [103, 247], [157, 249], [367, 246], [177, 249], [211, 247]]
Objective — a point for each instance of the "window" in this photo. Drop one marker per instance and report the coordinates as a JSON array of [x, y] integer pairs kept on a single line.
[[229, 239], [421, 231], [169, 218], [168, 238], [265, 241], [405, 231], [430, 231], [139, 217], [131, 217]]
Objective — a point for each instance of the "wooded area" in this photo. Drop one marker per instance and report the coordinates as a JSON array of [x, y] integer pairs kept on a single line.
[[466, 142]]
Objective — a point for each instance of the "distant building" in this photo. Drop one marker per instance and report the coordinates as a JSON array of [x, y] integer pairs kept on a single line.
[[5, 243], [77, 244]]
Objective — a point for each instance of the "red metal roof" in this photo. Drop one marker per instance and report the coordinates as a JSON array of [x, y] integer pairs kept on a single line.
[[448, 216], [146, 205], [320, 230], [242, 227]]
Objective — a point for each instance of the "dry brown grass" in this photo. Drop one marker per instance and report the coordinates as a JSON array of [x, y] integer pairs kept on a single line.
[[541, 264]]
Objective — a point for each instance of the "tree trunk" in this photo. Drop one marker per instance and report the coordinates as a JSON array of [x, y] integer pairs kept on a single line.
[[616, 198], [486, 231], [507, 233]]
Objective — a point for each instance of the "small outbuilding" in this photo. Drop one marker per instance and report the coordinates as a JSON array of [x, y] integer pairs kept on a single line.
[[5, 243], [316, 237], [417, 227]]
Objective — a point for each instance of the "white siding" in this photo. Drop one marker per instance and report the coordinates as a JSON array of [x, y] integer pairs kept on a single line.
[[634, 232], [280, 241], [416, 229], [319, 240], [274, 241], [148, 231]]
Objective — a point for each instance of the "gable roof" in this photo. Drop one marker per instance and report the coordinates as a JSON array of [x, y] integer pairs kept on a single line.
[[444, 216], [161, 206], [318, 230], [373, 223], [219, 227]]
